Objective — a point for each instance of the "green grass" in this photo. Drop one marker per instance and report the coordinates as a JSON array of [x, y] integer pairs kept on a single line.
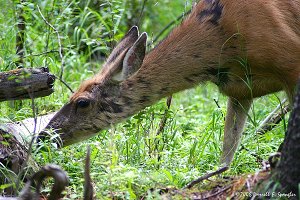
[[130, 158], [125, 159]]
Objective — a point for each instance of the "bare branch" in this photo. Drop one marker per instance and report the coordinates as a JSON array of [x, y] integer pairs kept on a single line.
[[88, 186], [141, 13], [60, 50], [43, 53], [58, 39], [206, 176], [24, 164], [169, 26], [20, 37], [274, 117], [163, 122]]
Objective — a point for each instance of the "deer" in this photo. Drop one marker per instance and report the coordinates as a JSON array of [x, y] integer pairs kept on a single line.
[[247, 48]]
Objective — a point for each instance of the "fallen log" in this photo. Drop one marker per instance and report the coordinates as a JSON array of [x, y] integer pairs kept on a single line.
[[24, 130], [25, 83], [15, 138]]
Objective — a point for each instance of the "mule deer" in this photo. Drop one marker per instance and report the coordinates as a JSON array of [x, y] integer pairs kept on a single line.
[[247, 48]]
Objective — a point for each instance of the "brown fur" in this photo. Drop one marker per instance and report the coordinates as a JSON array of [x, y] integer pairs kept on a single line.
[[248, 48], [272, 49]]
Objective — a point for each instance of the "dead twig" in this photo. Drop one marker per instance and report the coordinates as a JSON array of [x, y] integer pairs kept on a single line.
[[216, 194], [88, 186], [258, 158], [217, 103], [206, 176], [66, 84], [40, 54], [24, 164], [60, 50], [274, 117], [20, 37], [169, 26], [58, 39], [163, 122], [142, 11]]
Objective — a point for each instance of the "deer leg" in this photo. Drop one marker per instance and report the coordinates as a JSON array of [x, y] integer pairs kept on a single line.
[[234, 123]]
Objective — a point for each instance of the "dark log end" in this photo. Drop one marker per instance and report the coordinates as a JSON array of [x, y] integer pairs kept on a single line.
[[24, 83]]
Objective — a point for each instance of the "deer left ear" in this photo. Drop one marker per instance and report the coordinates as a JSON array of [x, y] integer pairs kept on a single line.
[[133, 59]]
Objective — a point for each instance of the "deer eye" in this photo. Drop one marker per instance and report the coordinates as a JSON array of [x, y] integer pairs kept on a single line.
[[83, 103]]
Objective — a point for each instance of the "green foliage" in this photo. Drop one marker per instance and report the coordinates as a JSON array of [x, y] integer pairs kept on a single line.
[[131, 158]]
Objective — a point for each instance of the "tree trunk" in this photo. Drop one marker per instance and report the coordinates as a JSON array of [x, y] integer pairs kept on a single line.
[[288, 170]]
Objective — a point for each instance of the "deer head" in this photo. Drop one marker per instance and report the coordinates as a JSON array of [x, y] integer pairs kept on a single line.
[[100, 101]]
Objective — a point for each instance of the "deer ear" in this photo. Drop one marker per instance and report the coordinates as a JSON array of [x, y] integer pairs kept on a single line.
[[127, 42], [134, 58]]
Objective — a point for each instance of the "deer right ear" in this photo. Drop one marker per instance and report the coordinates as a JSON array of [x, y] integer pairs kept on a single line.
[[134, 58], [128, 40]]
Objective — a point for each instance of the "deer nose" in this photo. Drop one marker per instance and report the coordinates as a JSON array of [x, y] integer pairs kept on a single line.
[[40, 141]]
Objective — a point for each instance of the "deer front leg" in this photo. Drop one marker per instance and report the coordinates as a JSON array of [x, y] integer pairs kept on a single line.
[[234, 123]]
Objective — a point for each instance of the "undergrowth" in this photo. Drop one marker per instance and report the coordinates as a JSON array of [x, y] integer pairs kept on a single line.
[[130, 158]]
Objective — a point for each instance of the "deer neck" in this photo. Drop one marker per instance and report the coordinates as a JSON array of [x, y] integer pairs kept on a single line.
[[181, 61], [167, 69]]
